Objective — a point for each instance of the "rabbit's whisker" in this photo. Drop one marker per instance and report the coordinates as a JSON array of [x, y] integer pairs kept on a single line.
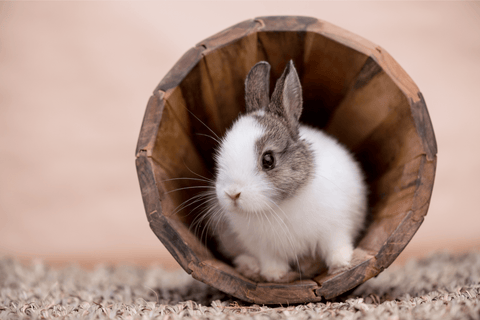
[[186, 188]]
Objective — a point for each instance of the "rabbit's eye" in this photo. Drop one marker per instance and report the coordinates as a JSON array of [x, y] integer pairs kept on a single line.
[[268, 161]]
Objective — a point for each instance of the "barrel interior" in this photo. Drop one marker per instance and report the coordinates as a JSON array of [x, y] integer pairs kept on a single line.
[[345, 93]]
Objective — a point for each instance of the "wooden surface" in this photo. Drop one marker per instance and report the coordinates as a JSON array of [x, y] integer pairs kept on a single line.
[[352, 88]]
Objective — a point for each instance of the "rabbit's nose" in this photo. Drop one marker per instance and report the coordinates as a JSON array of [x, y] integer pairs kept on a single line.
[[234, 196]]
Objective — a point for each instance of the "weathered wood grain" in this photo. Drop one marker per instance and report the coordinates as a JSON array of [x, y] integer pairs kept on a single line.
[[392, 143], [172, 140], [368, 102], [424, 126], [329, 69], [181, 69], [226, 69], [225, 278], [151, 120], [229, 35], [158, 223], [205, 123]]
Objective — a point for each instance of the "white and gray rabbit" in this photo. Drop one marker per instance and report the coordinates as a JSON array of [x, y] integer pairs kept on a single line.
[[284, 190]]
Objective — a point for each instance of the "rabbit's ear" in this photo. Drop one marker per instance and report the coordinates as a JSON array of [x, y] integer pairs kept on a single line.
[[257, 86], [287, 100]]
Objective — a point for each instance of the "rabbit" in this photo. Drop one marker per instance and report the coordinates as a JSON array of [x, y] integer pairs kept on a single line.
[[284, 190]]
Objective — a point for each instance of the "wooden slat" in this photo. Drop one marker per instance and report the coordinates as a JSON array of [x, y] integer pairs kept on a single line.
[[169, 201], [176, 103], [329, 71], [380, 229], [172, 240], [151, 120], [285, 23], [331, 286], [424, 126], [397, 185], [227, 68], [370, 99], [278, 293], [344, 37], [393, 195], [181, 69], [200, 100], [225, 278], [272, 46], [397, 73], [174, 149], [176, 161], [409, 226], [391, 144], [229, 35]]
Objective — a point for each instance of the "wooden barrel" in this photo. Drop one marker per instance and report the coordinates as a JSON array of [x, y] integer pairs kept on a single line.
[[352, 88]]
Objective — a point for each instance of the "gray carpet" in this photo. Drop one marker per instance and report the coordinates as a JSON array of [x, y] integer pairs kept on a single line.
[[441, 286]]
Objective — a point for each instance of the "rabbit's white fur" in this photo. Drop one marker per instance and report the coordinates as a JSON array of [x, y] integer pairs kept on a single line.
[[322, 218], [236, 166]]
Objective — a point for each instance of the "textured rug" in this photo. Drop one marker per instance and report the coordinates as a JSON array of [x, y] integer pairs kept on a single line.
[[441, 286]]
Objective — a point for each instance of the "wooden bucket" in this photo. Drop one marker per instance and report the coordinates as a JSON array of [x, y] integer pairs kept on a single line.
[[352, 88]]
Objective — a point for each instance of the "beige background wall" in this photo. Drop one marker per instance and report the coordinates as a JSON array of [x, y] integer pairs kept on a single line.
[[75, 79]]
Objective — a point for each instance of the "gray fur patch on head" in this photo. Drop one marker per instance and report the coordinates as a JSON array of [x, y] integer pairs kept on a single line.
[[294, 159]]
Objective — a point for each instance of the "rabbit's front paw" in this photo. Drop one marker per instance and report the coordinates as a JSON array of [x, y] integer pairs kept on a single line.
[[248, 266], [340, 259], [275, 272]]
